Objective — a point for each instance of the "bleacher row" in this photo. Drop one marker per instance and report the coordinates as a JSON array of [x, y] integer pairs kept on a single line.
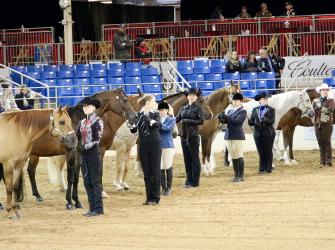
[[79, 80], [330, 80], [211, 75]]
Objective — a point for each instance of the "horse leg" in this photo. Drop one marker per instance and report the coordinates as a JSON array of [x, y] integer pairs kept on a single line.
[[8, 171], [286, 139], [17, 173], [293, 161], [32, 165], [2, 177], [138, 167], [70, 180], [276, 148], [125, 169], [210, 161], [119, 168], [204, 155], [104, 194], [75, 196]]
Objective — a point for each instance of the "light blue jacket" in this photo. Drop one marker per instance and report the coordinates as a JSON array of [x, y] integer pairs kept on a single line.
[[166, 132]]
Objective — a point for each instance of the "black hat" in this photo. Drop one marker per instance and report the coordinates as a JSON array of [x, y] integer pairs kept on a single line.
[[260, 96], [90, 101], [196, 91], [163, 105], [288, 3], [238, 96]]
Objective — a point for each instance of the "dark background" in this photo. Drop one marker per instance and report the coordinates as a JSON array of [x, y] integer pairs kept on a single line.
[[89, 17]]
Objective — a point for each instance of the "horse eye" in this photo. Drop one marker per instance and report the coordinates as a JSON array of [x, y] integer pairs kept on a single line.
[[62, 122]]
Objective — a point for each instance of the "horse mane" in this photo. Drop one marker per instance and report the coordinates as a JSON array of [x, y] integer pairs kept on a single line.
[[217, 96], [36, 118]]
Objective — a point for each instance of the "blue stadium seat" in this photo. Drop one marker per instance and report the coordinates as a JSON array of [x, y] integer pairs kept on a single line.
[[218, 69], [266, 75], [201, 63], [99, 66], [82, 90], [65, 90], [65, 101], [231, 76], [216, 80], [330, 81], [152, 88], [202, 70], [133, 71], [133, 65], [48, 68], [115, 80], [48, 75], [81, 74], [76, 100], [261, 84], [195, 79], [81, 81], [65, 74], [116, 66], [35, 68], [158, 96], [150, 71], [150, 79], [66, 67], [98, 73], [52, 91], [206, 86], [249, 76], [185, 67], [21, 69], [333, 72], [115, 72], [218, 62], [95, 89], [251, 93], [244, 84], [132, 84], [65, 82], [83, 67], [98, 81]]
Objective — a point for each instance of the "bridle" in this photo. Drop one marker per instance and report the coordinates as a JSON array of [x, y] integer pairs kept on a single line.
[[302, 103], [55, 132]]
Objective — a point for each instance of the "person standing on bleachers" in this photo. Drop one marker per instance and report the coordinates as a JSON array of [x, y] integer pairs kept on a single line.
[[234, 64], [122, 45], [142, 51], [25, 99], [251, 64], [278, 64]]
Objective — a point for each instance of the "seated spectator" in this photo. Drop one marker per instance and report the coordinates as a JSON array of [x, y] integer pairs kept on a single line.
[[142, 51], [264, 64], [122, 45], [244, 13], [7, 101], [24, 100], [264, 12], [289, 10], [234, 64], [251, 65], [217, 14]]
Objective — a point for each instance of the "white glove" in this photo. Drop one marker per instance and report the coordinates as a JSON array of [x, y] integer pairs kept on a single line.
[[152, 122]]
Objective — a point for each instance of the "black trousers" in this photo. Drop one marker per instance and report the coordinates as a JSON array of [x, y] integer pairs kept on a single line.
[[264, 146], [92, 171], [323, 135], [190, 148], [150, 157]]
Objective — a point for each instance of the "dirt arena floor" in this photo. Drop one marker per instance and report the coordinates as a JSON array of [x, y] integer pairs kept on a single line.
[[293, 208]]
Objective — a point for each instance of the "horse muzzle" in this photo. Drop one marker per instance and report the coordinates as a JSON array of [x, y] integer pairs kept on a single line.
[[309, 113], [70, 140], [131, 117]]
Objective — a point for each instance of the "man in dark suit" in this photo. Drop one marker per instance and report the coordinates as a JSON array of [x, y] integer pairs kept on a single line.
[[262, 119]]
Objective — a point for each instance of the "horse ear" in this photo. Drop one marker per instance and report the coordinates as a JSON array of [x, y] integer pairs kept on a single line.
[[231, 83], [139, 92], [60, 108]]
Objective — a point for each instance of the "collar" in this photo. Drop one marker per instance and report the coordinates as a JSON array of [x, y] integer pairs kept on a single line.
[[91, 117]]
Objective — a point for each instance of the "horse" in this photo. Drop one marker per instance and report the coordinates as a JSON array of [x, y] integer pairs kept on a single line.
[[115, 107], [20, 130]]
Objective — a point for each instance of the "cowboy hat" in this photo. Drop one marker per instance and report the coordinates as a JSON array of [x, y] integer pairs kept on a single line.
[[195, 91], [323, 86], [238, 96], [262, 95], [163, 105], [90, 101]]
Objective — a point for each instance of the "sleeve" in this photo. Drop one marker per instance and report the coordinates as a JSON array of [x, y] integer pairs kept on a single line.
[[238, 119], [156, 121], [117, 43], [222, 118], [169, 126], [178, 117], [97, 129], [200, 118], [270, 117], [128, 44], [138, 53]]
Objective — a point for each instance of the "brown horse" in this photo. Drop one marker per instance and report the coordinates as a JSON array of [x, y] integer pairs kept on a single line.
[[115, 107], [20, 130]]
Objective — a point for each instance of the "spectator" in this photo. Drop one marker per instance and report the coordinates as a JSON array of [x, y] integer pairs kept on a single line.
[[264, 64], [244, 13], [7, 101], [264, 12], [122, 45], [24, 100], [289, 10], [217, 14], [278, 64], [234, 63], [251, 65], [142, 51]]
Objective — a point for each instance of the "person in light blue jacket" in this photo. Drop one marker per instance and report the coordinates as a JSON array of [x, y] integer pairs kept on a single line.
[[168, 124]]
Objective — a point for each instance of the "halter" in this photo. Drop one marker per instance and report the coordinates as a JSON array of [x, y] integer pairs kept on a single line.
[[56, 132], [304, 106]]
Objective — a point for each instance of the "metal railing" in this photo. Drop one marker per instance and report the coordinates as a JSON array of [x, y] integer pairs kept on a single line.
[[24, 36]]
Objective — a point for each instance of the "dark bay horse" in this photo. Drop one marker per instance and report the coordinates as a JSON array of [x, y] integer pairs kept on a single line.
[[115, 106], [20, 130]]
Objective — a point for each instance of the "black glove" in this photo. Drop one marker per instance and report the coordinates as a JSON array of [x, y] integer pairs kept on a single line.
[[147, 118], [222, 117], [81, 148]]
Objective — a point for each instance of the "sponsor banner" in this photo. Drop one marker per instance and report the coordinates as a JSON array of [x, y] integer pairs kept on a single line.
[[308, 72]]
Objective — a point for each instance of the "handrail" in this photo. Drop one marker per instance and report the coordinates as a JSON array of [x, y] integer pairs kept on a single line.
[[34, 80], [295, 78], [181, 77]]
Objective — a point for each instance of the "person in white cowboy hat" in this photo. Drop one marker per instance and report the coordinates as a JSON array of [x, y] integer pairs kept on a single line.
[[323, 123]]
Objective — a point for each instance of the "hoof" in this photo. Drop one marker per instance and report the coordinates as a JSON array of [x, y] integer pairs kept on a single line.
[[18, 214], [39, 200], [78, 205], [69, 206], [294, 162], [12, 217], [120, 189], [125, 186], [104, 194], [226, 164]]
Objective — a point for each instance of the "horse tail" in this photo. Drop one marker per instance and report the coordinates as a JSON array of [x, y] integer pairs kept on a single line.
[[55, 166]]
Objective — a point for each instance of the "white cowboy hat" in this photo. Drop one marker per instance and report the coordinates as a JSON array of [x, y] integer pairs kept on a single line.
[[323, 86]]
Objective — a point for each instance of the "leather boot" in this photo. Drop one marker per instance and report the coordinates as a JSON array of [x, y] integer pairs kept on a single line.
[[241, 168], [226, 156], [163, 181], [169, 175], [235, 166]]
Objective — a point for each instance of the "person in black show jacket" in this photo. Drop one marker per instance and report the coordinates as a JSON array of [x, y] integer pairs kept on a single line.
[[191, 116], [262, 119], [150, 151]]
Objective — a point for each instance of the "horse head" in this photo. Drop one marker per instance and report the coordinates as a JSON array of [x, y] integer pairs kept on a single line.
[[61, 126], [305, 104], [203, 103], [233, 89]]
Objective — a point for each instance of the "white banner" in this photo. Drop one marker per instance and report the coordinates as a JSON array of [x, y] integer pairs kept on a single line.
[[308, 72]]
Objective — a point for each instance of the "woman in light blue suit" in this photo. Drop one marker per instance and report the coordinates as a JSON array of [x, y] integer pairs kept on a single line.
[[168, 124]]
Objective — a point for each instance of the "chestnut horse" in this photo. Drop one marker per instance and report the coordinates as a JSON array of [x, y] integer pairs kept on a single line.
[[115, 107], [20, 130]]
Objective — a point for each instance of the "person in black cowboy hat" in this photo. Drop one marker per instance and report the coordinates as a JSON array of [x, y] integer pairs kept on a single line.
[[191, 116], [262, 119], [89, 133], [234, 135]]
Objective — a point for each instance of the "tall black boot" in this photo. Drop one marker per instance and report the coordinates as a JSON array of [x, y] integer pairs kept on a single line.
[[226, 156], [169, 175], [235, 166], [241, 168], [163, 181]]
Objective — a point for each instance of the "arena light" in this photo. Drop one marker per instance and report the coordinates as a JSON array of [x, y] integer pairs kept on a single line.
[[107, 2]]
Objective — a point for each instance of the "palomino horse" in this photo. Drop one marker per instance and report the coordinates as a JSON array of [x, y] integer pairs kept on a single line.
[[115, 107], [20, 130]]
